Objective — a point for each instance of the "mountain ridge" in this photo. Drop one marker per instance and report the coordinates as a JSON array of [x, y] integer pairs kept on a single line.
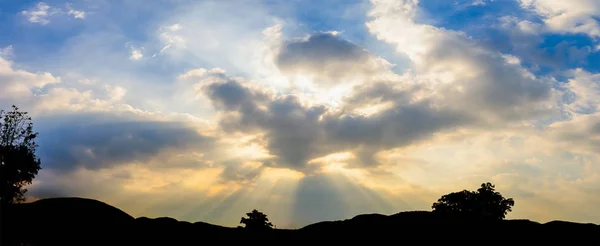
[[82, 221]]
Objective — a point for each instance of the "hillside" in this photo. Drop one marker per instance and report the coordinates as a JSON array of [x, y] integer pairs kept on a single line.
[[77, 221]]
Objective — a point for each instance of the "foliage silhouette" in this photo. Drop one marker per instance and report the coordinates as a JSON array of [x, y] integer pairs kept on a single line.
[[256, 221], [485, 203], [18, 161]]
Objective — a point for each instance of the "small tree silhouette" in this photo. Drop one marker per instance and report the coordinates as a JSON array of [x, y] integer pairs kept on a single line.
[[18, 161], [485, 203], [256, 221]]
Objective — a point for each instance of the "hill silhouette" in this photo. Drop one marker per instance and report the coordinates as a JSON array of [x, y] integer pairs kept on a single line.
[[79, 221]]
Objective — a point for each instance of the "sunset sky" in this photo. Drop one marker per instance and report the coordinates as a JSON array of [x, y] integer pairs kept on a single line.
[[309, 110]]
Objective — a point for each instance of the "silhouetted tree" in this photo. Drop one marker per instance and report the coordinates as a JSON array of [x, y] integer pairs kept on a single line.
[[256, 221], [485, 203], [18, 162]]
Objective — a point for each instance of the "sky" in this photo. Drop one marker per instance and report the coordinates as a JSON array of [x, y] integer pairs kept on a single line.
[[309, 110]]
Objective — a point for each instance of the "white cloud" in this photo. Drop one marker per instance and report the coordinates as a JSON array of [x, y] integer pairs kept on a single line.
[[510, 59], [136, 54], [585, 88], [174, 27], [479, 3], [525, 26], [574, 16], [39, 13], [77, 14], [44, 93], [163, 49], [170, 38], [198, 72], [7, 52], [458, 72], [19, 84]]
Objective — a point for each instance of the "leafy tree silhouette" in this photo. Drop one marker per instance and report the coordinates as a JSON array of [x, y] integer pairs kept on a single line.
[[485, 203], [256, 221], [18, 162]]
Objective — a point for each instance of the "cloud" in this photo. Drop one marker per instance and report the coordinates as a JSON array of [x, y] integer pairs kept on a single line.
[[330, 59], [577, 16], [479, 3], [170, 38], [458, 71], [174, 27], [239, 171], [523, 26], [88, 125], [456, 84], [585, 89], [41, 13], [96, 140], [18, 84], [6, 52], [530, 41], [77, 14], [193, 73], [581, 134], [136, 54], [296, 133]]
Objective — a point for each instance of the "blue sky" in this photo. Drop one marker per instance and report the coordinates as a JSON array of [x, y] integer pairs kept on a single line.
[[309, 110]]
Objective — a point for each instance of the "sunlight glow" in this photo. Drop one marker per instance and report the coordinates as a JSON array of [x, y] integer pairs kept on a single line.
[[247, 147], [335, 157], [275, 174], [369, 110]]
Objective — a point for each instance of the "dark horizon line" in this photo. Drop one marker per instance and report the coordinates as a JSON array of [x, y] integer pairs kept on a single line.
[[286, 228]]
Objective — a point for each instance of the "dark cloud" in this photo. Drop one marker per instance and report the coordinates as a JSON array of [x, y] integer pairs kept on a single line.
[[486, 91], [100, 141], [318, 50], [328, 57], [235, 170], [292, 131], [231, 96], [380, 92], [401, 125], [295, 133]]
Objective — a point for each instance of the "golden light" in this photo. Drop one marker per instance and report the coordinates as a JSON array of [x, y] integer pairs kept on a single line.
[[275, 174], [371, 109]]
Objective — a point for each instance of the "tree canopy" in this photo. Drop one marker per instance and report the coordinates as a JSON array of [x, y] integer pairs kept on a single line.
[[485, 203], [18, 161], [256, 221]]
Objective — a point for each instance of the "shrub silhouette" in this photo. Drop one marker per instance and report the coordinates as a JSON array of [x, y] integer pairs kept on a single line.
[[256, 221], [485, 203], [18, 162]]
